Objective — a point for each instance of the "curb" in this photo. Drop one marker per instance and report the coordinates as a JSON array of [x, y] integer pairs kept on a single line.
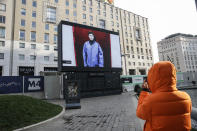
[[42, 122]]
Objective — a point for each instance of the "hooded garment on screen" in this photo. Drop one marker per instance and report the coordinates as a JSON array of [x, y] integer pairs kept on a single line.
[[92, 54]]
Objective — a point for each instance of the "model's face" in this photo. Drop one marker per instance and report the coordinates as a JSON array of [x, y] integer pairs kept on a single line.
[[91, 36]]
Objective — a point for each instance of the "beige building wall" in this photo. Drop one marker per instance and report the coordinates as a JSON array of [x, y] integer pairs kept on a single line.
[[135, 41], [6, 42], [180, 49]]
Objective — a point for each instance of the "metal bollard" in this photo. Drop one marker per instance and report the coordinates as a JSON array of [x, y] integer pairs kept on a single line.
[[194, 113]]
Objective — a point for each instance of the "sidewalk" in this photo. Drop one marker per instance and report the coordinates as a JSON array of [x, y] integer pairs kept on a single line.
[[106, 113]]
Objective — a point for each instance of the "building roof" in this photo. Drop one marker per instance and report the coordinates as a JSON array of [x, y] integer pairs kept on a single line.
[[180, 34]]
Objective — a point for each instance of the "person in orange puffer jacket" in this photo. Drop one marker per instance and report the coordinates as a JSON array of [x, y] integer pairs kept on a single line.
[[166, 108]]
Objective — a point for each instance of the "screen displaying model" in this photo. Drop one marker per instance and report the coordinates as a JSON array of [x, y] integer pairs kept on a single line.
[[87, 47]]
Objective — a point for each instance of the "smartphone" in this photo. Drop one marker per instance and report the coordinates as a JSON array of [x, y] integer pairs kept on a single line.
[[145, 79]]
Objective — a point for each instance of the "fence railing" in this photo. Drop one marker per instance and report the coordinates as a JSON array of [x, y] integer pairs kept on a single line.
[[21, 84]]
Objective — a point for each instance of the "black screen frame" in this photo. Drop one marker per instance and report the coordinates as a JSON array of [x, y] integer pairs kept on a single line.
[[62, 68]]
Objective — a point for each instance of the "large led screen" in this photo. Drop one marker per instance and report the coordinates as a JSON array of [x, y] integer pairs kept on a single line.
[[87, 48]]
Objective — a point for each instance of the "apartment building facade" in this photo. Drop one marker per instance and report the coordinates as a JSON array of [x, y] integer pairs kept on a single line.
[[180, 49], [28, 33]]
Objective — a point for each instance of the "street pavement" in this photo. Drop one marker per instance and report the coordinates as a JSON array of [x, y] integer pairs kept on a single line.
[[105, 113]]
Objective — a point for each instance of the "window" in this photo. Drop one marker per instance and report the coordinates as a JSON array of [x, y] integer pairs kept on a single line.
[[74, 13], [67, 3], [84, 16], [55, 39], [99, 5], [116, 17], [137, 34], [112, 16], [55, 48], [112, 23], [46, 26], [2, 32], [23, 2], [90, 9], [104, 13], [21, 45], [23, 11], [116, 11], [22, 35], [2, 19], [2, 7], [46, 58], [90, 2], [2, 43], [32, 57], [34, 14], [126, 34], [131, 49], [1, 55], [74, 5], [67, 11], [111, 10], [56, 1], [33, 24], [98, 12], [150, 51], [55, 58], [102, 23], [137, 50], [91, 18], [55, 28], [127, 48], [84, 8], [46, 47], [22, 22], [46, 38], [33, 46], [34, 4], [33, 36], [84, 1], [117, 24], [21, 57], [142, 50], [51, 14], [104, 7]]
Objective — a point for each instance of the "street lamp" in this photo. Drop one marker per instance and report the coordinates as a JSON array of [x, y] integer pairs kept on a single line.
[[124, 55]]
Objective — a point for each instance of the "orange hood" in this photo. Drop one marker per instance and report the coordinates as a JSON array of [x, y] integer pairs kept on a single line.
[[162, 77]]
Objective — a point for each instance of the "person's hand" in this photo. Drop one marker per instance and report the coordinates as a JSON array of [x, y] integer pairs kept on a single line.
[[145, 85]]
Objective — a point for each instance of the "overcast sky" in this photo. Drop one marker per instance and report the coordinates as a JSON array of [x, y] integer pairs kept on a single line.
[[165, 17]]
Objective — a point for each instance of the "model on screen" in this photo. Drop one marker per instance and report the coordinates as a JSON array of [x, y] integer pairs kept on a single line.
[[92, 52]]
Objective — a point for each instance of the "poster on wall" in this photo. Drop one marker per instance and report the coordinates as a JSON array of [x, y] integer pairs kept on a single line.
[[87, 48]]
